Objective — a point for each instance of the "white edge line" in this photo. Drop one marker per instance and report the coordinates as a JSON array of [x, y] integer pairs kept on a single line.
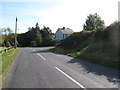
[[70, 78], [41, 56]]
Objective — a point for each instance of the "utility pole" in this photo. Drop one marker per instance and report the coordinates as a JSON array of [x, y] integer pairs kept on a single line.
[[16, 33]]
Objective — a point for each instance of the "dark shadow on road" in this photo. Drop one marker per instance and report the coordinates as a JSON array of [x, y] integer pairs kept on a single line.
[[111, 74], [40, 51], [45, 51]]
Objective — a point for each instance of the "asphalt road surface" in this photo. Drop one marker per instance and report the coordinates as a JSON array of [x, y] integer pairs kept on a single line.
[[40, 68]]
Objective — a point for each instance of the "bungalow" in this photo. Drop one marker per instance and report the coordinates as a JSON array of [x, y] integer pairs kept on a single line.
[[62, 33]]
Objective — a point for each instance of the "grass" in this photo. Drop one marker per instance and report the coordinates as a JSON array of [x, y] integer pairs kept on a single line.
[[99, 58], [6, 60], [99, 46], [2, 48]]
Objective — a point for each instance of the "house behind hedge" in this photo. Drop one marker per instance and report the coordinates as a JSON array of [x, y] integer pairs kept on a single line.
[[63, 33]]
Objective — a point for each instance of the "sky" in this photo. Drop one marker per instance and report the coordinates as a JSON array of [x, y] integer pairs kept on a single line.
[[55, 13]]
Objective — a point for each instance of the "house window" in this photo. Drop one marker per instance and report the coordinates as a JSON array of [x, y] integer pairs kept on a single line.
[[66, 35]]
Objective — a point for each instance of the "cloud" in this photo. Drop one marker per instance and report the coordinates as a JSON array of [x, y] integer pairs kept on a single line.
[[73, 13], [68, 13]]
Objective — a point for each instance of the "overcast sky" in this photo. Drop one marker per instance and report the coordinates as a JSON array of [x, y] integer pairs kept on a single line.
[[55, 13]]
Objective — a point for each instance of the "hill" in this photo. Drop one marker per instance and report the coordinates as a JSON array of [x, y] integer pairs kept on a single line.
[[99, 46]]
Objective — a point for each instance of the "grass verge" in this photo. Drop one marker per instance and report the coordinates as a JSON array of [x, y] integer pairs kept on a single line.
[[6, 60], [2, 48], [92, 57]]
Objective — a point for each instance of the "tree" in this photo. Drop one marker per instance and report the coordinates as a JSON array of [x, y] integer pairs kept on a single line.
[[93, 22], [38, 38], [31, 38], [37, 26], [35, 37], [46, 30], [7, 31], [46, 36]]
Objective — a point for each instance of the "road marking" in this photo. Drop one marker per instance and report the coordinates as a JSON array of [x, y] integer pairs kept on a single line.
[[70, 78], [40, 55]]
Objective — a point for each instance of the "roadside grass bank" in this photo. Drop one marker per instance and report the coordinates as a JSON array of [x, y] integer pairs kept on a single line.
[[99, 45], [6, 60], [2, 48], [97, 58]]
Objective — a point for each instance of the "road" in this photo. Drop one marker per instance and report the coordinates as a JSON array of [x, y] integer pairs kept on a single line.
[[40, 68]]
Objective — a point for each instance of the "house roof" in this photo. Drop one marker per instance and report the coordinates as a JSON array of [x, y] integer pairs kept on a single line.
[[66, 30]]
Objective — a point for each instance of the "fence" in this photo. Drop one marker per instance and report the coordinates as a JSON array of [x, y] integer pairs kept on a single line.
[[5, 50]]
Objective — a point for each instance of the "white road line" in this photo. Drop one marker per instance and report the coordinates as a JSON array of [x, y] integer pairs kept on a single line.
[[70, 78], [33, 50], [40, 55]]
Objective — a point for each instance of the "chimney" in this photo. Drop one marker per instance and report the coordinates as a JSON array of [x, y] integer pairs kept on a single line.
[[63, 27]]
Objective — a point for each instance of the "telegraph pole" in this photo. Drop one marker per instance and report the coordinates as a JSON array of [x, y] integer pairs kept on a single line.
[[16, 33]]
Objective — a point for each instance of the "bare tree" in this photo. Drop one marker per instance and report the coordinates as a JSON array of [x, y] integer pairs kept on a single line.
[[9, 30]]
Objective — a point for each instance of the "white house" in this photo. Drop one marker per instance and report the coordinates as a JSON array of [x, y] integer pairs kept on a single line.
[[62, 33]]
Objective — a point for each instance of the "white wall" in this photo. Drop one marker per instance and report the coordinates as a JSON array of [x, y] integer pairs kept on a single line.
[[59, 35]]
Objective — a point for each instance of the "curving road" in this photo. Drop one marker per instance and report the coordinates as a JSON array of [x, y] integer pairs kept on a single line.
[[40, 68]]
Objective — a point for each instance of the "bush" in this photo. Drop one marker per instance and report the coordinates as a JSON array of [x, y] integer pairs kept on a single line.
[[99, 46], [33, 43], [75, 40]]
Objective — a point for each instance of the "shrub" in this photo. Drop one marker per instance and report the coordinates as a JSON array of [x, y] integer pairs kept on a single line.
[[33, 43], [75, 40]]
